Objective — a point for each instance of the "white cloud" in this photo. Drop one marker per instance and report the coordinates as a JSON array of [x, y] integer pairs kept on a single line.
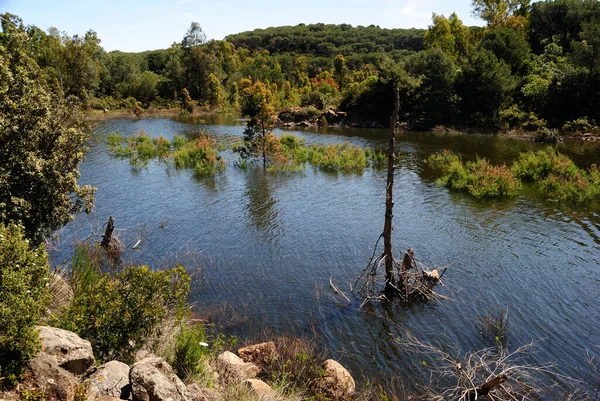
[[408, 13]]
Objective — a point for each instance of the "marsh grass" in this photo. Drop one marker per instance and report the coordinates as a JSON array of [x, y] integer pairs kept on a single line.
[[553, 174], [201, 155], [557, 177], [493, 326], [335, 157], [479, 178]]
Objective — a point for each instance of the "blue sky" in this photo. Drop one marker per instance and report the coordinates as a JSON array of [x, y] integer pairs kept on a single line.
[[136, 25]]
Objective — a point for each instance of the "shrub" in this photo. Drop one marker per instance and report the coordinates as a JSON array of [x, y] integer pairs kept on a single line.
[[479, 178], [118, 313], [190, 353], [23, 298]]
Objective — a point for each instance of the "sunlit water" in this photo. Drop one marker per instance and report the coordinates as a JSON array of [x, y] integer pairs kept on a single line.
[[265, 246]]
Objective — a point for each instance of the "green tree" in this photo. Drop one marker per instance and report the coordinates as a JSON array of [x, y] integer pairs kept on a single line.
[[42, 144], [340, 70], [257, 103], [448, 34], [511, 13], [483, 87], [215, 91], [23, 299], [507, 45]]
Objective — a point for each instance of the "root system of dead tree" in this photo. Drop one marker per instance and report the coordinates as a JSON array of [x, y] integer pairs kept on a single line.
[[415, 282]]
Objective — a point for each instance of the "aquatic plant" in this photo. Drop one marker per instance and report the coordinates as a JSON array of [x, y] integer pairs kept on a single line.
[[479, 178], [200, 154], [557, 176]]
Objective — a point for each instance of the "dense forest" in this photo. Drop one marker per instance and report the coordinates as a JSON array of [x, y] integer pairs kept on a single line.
[[534, 66]]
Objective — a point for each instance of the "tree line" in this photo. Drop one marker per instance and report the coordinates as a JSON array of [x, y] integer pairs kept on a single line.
[[533, 66]]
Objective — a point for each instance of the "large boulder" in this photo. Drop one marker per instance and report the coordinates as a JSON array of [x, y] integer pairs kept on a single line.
[[70, 351], [258, 387], [231, 365], [337, 382], [153, 379], [260, 354], [109, 380], [55, 382]]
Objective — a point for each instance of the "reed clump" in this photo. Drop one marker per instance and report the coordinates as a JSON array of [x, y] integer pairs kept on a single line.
[[335, 157], [201, 155], [479, 178], [553, 174]]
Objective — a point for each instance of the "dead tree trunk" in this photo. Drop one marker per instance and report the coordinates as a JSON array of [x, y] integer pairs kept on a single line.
[[110, 227], [389, 200]]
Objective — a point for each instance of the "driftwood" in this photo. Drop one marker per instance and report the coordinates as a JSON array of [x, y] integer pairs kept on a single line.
[[110, 228], [474, 394]]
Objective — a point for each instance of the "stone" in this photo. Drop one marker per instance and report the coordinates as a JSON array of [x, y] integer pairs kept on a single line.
[[203, 394], [54, 381], [110, 380], [229, 363], [258, 387], [70, 351], [107, 399], [259, 353], [153, 379], [337, 382]]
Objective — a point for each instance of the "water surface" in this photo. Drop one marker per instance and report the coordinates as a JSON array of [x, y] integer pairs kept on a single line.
[[268, 244]]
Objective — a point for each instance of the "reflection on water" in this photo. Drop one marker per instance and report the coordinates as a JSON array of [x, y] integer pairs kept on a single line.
[[260, 204], [270, 243]]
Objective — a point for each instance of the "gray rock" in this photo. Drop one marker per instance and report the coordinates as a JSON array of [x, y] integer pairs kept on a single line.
[[70, 351], [110, 380], [153, 379], [258, 387], [54, 381], [229, 364], [337, 382]]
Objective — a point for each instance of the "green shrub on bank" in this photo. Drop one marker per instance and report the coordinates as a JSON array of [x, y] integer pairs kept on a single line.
[[24, 296], [118, 313], [479, 178]]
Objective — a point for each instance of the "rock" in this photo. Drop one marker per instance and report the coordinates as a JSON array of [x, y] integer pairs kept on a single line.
[[71, 352], [54, 381], [143, 354], [258, 387], [110, 380], [153, 379], [337, 381], [259, 353], [107, 399], [230, 363], [203, 394]]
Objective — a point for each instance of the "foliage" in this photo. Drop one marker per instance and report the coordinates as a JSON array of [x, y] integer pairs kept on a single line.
[[201, 154], [43, 143], [23, 299], [118, 313], [479, 178], [558, 178], [190, 353], [257, 103]]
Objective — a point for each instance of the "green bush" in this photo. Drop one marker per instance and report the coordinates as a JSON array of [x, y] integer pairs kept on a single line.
[[190, 352], [479, 178], [117, 314], [24, 296]]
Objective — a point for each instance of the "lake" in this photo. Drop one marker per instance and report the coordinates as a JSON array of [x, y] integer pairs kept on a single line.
[[263, 247]]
